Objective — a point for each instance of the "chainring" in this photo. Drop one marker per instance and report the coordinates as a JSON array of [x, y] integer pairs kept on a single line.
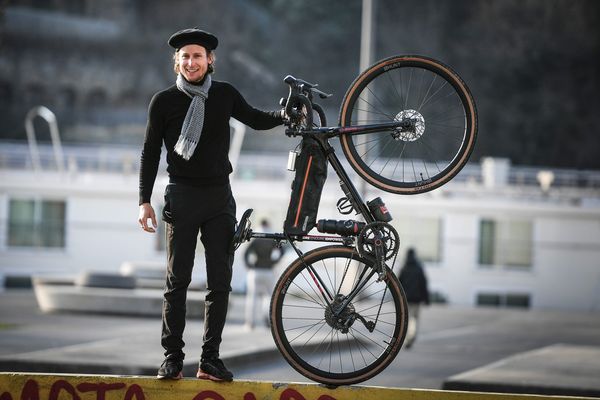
[[378, 234]]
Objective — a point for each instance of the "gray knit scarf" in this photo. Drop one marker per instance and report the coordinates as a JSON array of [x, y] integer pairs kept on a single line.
[[194, 119]]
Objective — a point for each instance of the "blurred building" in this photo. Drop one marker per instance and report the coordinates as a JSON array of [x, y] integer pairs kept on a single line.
[[98, 64], [72, 56], [496, 235]]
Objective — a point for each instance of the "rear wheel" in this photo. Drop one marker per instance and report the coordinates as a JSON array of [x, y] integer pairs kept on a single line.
[[441, 112], [325, 339]]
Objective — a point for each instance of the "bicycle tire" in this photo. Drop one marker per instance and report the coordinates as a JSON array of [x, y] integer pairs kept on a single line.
[[438, 145], [308, 336]]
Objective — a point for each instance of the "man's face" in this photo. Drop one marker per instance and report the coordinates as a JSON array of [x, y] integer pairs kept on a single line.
[[193, 62]]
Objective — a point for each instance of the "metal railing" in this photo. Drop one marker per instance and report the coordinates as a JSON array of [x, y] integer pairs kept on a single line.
[[266, 166]]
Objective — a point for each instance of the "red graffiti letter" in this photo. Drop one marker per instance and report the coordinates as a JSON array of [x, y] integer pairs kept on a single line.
[[99, 388], [208, 394], [5, 396], [66, 386], [289, 394], [247, 396], [135, 390], [31, 391]]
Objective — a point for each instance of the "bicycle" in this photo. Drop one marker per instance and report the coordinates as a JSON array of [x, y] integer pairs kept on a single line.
[[407, 125]]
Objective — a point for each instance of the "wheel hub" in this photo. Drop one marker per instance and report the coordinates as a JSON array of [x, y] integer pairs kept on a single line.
[[345, 319], [416, 129]]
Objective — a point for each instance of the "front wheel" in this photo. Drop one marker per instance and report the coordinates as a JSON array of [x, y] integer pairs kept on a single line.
[[440, 131], [333, 320]]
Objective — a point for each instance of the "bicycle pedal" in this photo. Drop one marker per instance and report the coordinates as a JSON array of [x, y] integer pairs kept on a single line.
[[243, 231]]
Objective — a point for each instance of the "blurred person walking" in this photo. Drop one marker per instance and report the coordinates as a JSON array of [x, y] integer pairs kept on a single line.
[[414, 281], [191, 119], [261, 256]]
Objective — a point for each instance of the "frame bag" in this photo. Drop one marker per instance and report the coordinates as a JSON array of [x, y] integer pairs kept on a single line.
[[311, 173]]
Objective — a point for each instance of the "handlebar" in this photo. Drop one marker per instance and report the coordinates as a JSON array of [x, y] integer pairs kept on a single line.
[[299, 105], [305, 87]]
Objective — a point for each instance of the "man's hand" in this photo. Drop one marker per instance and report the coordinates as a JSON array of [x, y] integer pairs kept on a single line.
[[147, 212]]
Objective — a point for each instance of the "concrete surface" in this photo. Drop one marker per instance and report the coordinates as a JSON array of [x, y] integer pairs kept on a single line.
[[556, 369]]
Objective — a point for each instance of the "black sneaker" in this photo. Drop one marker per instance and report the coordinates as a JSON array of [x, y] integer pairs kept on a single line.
[[171, 368], [214, 370]]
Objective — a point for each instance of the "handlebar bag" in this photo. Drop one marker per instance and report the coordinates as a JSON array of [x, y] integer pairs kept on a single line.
[[311, 173]]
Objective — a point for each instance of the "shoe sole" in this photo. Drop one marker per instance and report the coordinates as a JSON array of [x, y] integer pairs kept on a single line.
[[175, 378], [204, 375]]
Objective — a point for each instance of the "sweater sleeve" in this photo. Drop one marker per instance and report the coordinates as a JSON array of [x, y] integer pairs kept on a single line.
[[253, 117], [150, 157]]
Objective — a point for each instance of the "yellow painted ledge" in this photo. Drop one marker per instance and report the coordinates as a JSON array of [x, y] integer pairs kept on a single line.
[[28, 386]]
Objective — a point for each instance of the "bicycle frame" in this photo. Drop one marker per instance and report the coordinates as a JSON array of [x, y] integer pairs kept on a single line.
[[322, 135], [301, 93]]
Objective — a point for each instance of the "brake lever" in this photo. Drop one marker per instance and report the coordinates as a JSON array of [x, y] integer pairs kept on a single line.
[[322, 95]]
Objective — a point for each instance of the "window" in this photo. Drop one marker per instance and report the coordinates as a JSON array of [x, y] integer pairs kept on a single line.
[[97, 98], [36, 223], [424, 234], [503, 299], [35, 93], [505, 242], [66, 98]]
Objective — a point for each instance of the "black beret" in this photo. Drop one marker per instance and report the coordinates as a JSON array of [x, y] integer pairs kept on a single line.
[[193, 36]]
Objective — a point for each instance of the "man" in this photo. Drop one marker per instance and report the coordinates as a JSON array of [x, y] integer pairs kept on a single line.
[[191, 118], [414, 281], [259, 279]]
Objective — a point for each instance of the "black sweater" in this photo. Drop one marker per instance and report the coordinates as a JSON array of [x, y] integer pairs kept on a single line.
[[210, 162]]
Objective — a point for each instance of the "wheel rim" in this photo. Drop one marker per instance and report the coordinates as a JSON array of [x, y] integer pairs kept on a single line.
[[317, 342], [437, 144]]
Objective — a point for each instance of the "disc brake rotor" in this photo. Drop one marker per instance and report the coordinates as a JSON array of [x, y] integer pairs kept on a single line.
[[417, 126]]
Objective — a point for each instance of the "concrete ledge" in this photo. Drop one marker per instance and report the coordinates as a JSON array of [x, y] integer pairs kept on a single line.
[[27, 386], [559, 369], [55, 296]]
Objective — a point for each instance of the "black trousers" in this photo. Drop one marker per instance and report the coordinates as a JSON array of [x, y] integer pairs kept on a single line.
[[188, 211]]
